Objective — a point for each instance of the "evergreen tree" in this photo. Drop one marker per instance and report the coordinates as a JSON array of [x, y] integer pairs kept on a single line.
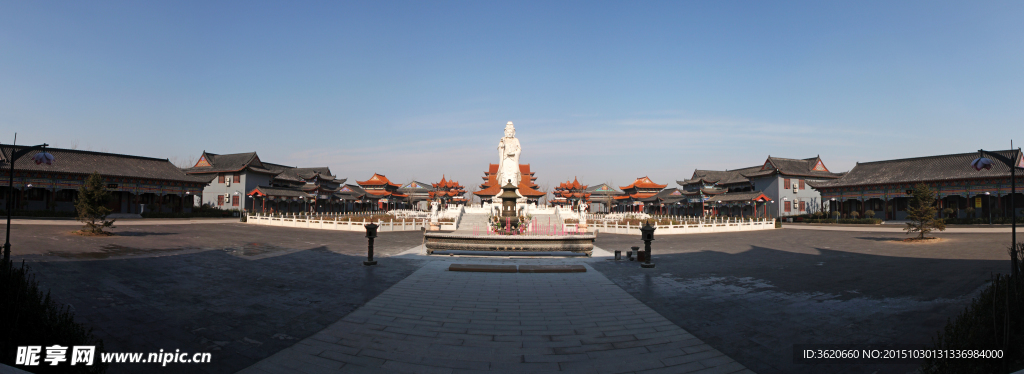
[[921, 212], [91, 205]]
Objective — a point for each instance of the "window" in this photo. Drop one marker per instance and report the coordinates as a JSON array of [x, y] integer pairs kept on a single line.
[[237, 179], [802, 186], [220, 199], [220, 179], [803, 205], [785, 183], [234, 200], [789, 208]]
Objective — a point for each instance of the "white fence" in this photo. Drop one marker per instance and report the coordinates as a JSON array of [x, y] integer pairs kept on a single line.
[[356, 223], [728, 225]]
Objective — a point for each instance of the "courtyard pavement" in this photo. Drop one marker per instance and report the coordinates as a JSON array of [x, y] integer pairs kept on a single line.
[[250, 293], [439, 321]]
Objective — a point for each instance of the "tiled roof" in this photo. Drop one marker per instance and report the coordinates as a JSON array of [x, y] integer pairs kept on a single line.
[[301, 174], [415, 186], [722, 178], [808, 167], [739, 197], [603, 188], [377, 180], [921, 169], [106, 164], [223, 163], [277, 192], [643, 182]]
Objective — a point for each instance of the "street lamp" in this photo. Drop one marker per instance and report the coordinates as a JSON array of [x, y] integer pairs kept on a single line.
[[983, 162], [40, 158]]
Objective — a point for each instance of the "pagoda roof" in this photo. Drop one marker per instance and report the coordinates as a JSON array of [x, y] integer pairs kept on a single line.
[[636, 196], [643, 182], [377, 180]]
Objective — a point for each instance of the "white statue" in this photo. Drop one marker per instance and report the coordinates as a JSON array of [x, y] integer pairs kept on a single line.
[[433, 213], [583, 212], [508, 153]]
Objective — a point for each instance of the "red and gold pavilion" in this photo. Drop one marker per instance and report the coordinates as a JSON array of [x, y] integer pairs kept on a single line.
[[570, 193], [449, 192], [641, 188], [527, 188], [379, 188]]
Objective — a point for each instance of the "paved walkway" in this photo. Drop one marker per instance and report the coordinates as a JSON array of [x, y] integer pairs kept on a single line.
[[123, 222], [888, 228], [436, 321]]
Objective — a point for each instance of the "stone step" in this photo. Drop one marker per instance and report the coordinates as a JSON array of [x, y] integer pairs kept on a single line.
[[484, 268], [511, 253]]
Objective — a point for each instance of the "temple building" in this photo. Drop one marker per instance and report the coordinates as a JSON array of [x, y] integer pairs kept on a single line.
[[241, 181], [885, 186], [570, 193], [418, 192], [602, 197], [778, 187], [634, 193], [527, 187], [137, 184], [384, 193], [448, 192]]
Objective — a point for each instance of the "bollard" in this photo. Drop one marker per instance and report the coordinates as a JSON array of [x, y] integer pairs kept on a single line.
[[618, 255], [371, 232], [647, 234]]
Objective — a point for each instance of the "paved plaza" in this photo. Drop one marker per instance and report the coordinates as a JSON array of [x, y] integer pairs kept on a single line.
[[265, 298]]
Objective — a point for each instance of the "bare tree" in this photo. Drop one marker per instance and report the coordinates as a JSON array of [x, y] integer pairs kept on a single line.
[[74, 144]]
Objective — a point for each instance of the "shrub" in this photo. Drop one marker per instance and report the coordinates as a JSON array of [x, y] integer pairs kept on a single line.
[[991, 321], [948, 212], [854, 214], [39, 321], [869, 213], [970, 212]]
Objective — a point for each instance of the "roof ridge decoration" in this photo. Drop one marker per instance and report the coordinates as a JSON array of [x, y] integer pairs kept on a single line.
[[203, 162], [768, 163], [820, 166]]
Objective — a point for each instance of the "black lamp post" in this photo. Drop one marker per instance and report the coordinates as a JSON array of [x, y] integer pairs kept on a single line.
[[40, 158], [647, 235], [983, 162], [371, 232]]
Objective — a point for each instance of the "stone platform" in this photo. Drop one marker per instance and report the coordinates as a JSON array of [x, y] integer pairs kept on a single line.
[[583, 243]]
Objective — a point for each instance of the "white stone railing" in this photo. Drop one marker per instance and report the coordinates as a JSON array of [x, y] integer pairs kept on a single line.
[[706, 226]]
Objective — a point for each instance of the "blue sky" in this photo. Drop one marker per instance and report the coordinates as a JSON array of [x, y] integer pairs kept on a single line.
[[607, 91]]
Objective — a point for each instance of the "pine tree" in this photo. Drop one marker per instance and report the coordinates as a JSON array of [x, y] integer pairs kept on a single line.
[[921, 212], [91, 205]]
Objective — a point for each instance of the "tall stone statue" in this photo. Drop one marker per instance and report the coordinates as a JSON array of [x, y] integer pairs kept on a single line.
[[508, 151]]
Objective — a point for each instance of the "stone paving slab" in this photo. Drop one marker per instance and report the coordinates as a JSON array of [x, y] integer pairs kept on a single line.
[[552, 269], [437, 321], [483, 268]]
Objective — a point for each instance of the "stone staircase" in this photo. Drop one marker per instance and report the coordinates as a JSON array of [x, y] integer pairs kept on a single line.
[[471, 220]]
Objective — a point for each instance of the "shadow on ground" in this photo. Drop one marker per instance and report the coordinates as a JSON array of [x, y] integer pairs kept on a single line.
[[753, 302], [239, 309]]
